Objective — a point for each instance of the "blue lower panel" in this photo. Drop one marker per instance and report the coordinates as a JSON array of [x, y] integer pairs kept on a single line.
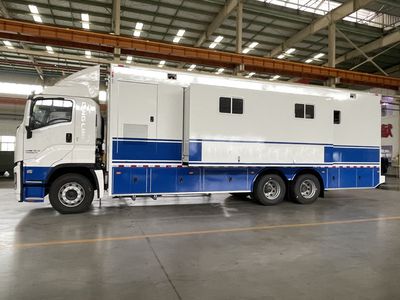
[[36, 173], [34, 193], [332, 178], [128, 181], [348, 177], [365, 177], [189, 180], [225, 179]]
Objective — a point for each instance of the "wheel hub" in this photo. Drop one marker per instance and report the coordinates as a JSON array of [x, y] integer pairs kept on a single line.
[[71, 194], [308, 189], [272, 189]]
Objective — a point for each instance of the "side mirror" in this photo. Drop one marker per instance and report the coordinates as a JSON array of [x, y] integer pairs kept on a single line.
[[28, 132]]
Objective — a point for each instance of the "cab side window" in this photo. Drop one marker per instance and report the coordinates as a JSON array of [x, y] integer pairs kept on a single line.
[[49, 112]]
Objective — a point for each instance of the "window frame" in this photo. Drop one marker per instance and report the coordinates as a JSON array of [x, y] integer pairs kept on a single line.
[[340, 117], [34, 102], [231, 101], [230, 105], [304, 111]]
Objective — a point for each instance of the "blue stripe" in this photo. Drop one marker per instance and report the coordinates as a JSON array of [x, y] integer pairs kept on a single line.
[[351, 155], [146, 150]]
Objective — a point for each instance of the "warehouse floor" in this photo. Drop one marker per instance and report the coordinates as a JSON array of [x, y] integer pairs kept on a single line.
[[345, 246]]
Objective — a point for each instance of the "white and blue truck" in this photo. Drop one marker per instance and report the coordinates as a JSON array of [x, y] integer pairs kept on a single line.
[[177, 132]]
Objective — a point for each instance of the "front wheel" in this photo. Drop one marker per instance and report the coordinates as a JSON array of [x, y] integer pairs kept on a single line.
[[71, 193], [270, 189], [305, 189]]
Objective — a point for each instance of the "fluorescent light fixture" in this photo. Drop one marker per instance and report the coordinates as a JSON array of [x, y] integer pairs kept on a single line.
[[161, 63], [180, 32], [8, 44], [218, 39], [179, 35], [281, 56], [85, 21], [246, 50], [33, 9], [250, 74], [50, 49], [220, 70], [102, 96], [19, 89], [138, 29], [139, 26], [275, 77], [85, 17], [192, 67], [309, 60], [128, 59], [319, 55], [290, 51], [253, 45], [88, 54], [37, 19]]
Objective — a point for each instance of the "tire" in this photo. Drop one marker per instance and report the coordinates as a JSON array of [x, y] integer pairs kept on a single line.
[[305, 189], [269, 189], [71, 193]]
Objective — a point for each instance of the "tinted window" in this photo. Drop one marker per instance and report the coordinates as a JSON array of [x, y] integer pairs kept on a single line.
[[310, 111], [336, 117], [299, 110], [225, 105], [237, 106], [50, 112]]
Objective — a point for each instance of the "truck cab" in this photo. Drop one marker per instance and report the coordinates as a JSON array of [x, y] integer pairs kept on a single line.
[[59, 145]]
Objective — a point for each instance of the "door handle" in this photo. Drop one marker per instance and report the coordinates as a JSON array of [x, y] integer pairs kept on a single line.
[[68, 137]]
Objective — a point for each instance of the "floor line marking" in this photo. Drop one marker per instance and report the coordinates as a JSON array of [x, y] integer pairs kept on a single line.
[[200, 232]]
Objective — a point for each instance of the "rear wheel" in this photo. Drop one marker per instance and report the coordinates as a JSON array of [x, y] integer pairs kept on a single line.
[[305, 189], [269, 189], [71, 193]]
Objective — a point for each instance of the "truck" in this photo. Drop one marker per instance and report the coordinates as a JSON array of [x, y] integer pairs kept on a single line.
[[180, 132]]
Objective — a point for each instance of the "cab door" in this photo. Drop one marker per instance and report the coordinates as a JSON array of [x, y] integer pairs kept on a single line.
[[51, 139]]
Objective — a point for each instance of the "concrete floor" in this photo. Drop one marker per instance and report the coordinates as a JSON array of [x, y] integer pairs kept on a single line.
[[345, 246]]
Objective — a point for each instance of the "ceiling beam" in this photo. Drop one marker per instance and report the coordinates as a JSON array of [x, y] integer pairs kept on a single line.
[[322, 22], [45, 34], [380, 43], [5, 13], [225, 11]]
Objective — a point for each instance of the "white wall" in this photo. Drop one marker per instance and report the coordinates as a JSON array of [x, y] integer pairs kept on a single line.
[[8, 127]]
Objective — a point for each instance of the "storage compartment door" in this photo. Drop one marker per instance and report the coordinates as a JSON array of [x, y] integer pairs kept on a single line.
[[137, 110]]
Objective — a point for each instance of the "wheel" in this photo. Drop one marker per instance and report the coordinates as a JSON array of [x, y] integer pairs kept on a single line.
[[71, 193], [305, 189], [269, 189]]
